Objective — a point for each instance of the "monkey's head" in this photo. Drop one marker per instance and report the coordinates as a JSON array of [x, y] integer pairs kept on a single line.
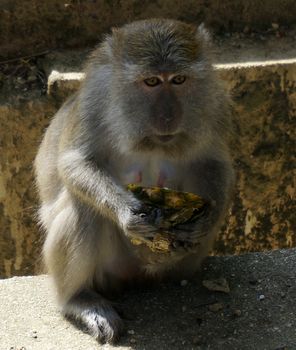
[[159, 91]]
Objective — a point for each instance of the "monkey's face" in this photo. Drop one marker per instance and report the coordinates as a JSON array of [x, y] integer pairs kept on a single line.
[[164, 106], [163, 87], [165, 111]]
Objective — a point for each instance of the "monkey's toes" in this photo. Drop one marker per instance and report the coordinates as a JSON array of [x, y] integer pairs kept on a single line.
[[106, 326], [102, 323]]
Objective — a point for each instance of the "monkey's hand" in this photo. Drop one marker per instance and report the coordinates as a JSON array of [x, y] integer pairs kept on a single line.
[[194, 231], [141, 223]]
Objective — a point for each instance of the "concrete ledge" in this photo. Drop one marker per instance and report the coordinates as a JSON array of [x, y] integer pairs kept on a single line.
[[255, 64], [258, 312], [63, 83]]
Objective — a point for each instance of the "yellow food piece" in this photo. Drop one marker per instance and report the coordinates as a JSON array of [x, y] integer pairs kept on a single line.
[[136, 241], [160, 243]]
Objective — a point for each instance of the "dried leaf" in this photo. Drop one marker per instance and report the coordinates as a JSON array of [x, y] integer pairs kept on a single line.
[[217, 285]]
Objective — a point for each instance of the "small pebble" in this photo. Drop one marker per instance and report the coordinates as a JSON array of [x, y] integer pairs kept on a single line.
[[237, 312], [34, 335], [183, 283], [261, 297], [184, 308], [131, 332], [253, 281], [133, 341], [275, 25], [215, 307]]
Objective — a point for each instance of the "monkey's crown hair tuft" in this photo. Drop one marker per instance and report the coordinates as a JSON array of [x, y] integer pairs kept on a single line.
[[157, 43]]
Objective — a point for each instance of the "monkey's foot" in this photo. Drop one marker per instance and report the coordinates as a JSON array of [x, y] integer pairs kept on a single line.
[[104, 325], [99, 320]]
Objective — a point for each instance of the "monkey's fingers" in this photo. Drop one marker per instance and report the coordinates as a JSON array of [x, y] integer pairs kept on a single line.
[[183, 245]]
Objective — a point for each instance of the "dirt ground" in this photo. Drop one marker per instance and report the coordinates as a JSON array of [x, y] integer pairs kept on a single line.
[[257, 313]]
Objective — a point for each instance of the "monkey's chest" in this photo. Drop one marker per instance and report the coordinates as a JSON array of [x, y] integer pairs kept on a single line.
[[150, 173]]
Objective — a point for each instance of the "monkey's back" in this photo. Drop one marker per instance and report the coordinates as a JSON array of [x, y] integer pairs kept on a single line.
[[47, 179]]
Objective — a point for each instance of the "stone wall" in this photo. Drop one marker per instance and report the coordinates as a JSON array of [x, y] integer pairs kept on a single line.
[[30, 26], [263, 213], [21, 126]]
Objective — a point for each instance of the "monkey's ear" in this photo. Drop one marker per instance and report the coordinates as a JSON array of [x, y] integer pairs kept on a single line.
[[114, 30], [117, 34], [204, 33], [112, 42]]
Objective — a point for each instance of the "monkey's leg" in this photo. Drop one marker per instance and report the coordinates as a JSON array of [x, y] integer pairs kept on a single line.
[[73, 251]]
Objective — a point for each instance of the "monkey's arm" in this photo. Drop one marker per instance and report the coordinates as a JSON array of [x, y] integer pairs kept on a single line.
[[213, 180], [92, 185], [96, 188]]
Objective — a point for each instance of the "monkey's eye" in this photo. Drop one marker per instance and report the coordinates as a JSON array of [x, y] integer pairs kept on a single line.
[[178, 79], [153, 81]]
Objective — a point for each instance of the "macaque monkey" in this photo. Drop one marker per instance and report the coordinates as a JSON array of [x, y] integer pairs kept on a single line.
[[150, 111]]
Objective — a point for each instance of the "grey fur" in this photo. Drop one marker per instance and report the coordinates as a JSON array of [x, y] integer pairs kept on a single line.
[[102, 137]]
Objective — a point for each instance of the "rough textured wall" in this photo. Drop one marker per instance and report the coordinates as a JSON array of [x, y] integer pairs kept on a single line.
[[29, 26], [21, 126], [263, 214]]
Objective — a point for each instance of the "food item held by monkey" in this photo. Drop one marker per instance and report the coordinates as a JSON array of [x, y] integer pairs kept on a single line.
[[170, 208]]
